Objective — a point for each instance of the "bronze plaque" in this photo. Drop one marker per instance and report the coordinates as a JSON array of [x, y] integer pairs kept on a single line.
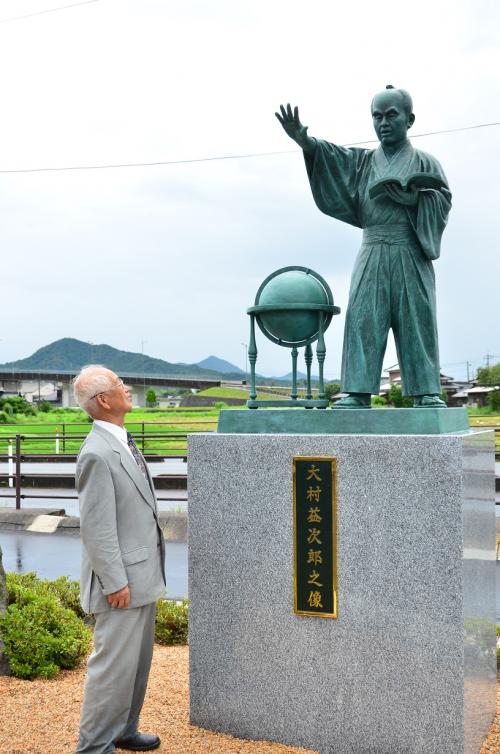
[[315, 536]]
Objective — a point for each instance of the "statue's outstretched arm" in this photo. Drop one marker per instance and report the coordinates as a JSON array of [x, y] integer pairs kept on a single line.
[[294, 128]]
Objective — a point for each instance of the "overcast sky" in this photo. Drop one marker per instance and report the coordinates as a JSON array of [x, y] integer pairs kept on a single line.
[[172, 255]]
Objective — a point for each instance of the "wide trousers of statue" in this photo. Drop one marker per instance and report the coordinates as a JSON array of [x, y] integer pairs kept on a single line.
[[392, 287]]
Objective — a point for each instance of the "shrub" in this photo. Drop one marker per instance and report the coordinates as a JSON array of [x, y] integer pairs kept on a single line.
[[493, 400], [331, 389], [18, 405], [378, 400], [17, 581], [171, 622], [397, 399], [66, 591], [489, 376], [4, 417], [151, 397], [40, 635], [45, 407]]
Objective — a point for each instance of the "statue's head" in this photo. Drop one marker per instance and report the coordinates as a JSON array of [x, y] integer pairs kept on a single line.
[[392, 115]]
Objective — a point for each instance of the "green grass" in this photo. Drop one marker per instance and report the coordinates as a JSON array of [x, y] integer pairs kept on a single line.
[[156, 422], [485, 419], [224, 392], [234, 392]]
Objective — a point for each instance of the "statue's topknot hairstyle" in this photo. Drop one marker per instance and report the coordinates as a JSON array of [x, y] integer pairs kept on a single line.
[[407, 100]]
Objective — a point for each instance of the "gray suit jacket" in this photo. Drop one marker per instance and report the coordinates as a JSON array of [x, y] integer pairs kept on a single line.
[[122, 542]]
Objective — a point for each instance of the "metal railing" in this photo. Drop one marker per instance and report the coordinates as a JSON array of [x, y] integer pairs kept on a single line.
[[15, 476], [15, 455], [63, 433]]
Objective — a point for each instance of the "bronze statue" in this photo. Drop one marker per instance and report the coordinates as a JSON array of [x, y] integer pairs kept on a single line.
[[400, 197]]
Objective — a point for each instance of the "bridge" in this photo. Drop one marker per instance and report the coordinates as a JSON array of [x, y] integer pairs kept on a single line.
[[29, 380]]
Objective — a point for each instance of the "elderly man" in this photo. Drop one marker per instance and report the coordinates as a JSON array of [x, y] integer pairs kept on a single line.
[[123, 563], [399, 196]]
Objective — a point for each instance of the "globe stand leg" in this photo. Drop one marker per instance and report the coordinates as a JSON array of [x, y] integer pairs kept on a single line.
[[252, 357], [321, 353], [308, 355], [294, 374]]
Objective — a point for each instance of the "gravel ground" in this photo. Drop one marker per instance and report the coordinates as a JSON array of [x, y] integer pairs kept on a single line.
[[41, 717]]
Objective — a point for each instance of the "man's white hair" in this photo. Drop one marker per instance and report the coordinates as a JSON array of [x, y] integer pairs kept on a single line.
[[92, 379]]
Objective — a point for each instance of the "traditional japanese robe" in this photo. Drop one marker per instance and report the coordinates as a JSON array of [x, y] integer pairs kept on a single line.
[[392, 285]]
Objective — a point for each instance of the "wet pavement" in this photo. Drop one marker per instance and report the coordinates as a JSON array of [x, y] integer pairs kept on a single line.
[[53, 555], [167, 466], [168, 500]]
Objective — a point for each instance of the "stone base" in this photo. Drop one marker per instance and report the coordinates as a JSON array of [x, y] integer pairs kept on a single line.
[[409, 665]]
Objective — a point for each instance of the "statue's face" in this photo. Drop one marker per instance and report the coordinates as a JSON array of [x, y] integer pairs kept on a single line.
[[390, 119]]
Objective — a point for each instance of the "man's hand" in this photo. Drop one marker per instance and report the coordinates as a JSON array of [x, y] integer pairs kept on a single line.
[[294, 128], [120, 599], [408, 198]]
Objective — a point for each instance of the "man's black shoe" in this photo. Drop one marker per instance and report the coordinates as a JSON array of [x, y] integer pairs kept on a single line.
[[138, 742]]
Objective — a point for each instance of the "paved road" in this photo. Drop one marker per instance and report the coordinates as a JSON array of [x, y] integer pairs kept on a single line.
[[168, 466], [167, 499]]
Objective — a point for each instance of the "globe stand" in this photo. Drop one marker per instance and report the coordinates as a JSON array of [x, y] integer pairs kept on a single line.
[[293, 308]]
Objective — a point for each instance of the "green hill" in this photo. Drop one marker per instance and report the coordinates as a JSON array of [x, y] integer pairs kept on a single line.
[[71, 354]]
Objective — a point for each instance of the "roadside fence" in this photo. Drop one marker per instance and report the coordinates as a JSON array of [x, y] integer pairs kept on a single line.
[[155, 445]]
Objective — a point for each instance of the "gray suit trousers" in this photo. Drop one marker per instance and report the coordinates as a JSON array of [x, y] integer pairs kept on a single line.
[[117, 676]]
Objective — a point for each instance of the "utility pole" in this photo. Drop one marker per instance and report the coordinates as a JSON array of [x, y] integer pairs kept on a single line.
[[143, 370], [468, 364], [488, 357]]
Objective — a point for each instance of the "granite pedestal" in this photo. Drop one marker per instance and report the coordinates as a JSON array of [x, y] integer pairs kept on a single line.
[[408, 667]]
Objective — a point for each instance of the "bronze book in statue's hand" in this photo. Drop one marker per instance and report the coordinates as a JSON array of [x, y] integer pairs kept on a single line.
[[420, 180]]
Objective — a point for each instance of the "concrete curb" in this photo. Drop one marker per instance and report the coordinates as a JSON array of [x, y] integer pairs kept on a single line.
[[55, 521]]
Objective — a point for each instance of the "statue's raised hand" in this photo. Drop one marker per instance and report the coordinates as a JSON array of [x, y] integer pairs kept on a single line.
[[293, 127]]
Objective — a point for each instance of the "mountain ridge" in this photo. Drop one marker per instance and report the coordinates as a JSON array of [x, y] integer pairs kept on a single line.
[[71, 354], [219, 365]]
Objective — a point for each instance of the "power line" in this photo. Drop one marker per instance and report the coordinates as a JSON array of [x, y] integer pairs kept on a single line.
[[48, 10], [430, 133], [222, 157]]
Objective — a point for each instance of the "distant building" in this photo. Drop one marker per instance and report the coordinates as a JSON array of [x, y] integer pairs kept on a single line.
[[169, 401], [448, 385], [33, 391], [477, 396]]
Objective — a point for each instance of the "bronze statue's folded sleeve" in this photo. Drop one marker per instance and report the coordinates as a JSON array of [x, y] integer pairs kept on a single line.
[[334, 174], [432, 216]]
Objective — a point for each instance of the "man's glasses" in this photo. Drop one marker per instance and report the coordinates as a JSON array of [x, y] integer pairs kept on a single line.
[[120, 383]]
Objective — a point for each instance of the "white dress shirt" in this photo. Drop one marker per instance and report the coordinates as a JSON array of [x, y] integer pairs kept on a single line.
[[119, 432]]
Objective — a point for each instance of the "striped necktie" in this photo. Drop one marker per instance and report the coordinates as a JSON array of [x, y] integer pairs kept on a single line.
[[137, 456]]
